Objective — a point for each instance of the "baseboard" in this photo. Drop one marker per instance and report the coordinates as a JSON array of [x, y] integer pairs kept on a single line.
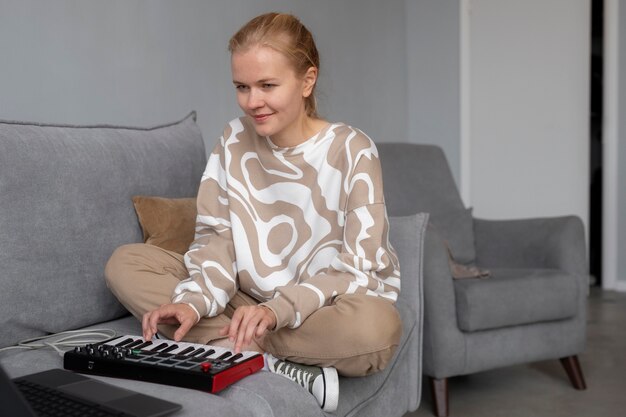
[[619, 285]]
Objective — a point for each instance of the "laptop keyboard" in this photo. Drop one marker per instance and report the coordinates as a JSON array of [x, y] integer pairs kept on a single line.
[[49, 402]]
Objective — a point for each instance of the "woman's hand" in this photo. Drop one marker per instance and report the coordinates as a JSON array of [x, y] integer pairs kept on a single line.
[[248, 322], [181, 314]]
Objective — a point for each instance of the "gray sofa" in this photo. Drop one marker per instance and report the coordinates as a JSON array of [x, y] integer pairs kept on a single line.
[[65, 205]]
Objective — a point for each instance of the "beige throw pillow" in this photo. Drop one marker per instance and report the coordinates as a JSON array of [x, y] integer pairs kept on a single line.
[[168, 223]]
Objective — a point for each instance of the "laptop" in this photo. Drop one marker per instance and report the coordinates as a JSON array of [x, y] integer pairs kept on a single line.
[[30, 396]]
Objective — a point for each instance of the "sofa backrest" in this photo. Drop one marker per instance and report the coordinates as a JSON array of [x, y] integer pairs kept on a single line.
[[65, 205], [417, 178]]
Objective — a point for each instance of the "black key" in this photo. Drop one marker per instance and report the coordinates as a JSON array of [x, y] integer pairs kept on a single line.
[[169, 349], [196, 352], [159, 347], [143, 345], [135, 343], [224, 355], [185, 351], [208, 353], [236, 357], [125, 341]]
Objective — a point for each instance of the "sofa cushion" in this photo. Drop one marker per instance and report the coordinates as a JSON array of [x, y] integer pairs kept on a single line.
[[168, 223], [66, 205], [513, 297]]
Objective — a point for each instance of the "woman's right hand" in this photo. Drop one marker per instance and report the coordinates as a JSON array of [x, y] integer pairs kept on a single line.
[[175, 314]]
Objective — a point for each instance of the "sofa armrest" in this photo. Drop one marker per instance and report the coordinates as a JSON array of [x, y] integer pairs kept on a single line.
[[407, 237], [553, 242]]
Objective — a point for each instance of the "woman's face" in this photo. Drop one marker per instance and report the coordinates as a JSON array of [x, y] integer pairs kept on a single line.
[[271, 94]]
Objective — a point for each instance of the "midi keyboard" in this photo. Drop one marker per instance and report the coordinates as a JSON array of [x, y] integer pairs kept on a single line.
[[190, 365]]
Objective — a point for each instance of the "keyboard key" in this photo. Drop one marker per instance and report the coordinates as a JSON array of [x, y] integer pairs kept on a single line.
[[185, 351], [224, 355], [123, 342], [170, 348]]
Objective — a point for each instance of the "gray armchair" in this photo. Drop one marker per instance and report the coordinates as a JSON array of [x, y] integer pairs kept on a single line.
[[532, 307]]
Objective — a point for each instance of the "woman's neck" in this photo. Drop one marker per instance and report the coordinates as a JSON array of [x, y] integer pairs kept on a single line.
[[305, 129]]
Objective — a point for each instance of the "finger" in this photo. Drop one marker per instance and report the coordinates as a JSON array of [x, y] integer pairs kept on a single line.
[[185, 325], [155, 318], [267, 322], [166, 314], [149, 329], [262, 327], [258, 325], [251, 329], [147, 334], [234, 325], [246, 322], [224, 330], [252, 320]]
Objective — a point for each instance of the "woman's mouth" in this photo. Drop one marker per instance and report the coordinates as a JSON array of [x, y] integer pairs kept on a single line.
[[260, 118]]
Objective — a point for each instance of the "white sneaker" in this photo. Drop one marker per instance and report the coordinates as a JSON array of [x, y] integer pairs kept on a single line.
[[323, 383]]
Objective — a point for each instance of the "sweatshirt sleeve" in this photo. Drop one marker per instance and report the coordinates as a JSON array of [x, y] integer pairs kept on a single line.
[[366, 263], [211, 257]]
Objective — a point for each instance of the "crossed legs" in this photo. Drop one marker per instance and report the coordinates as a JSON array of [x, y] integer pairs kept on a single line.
[[357, 334]]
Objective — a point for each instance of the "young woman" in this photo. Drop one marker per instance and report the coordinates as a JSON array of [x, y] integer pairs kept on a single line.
[[291, 255]]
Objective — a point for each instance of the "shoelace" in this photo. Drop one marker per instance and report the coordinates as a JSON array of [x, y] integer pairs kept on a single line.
[[301, 377]]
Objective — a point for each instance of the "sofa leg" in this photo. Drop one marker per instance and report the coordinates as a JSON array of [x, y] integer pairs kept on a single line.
[[439, 389], [574, 372]]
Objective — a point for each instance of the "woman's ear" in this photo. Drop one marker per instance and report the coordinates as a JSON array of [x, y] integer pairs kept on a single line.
[[310, 78]]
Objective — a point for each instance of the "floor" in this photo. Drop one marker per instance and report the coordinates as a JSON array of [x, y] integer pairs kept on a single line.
[[543, 389]]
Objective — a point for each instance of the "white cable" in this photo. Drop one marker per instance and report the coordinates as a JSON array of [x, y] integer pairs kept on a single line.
[[67, 339]]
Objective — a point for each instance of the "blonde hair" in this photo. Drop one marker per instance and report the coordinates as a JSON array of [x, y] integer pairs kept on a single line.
[[287, 35]]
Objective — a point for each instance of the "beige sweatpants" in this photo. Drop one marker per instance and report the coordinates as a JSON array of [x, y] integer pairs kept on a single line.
[[357, 334]]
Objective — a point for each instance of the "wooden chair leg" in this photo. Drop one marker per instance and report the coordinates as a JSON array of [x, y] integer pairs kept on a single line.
[[574, 372], [439, 389]]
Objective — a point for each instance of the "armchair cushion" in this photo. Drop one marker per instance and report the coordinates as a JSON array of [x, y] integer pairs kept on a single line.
[[550, 243], [515, 296]]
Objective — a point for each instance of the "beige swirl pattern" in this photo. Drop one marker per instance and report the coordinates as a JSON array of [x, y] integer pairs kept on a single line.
[[292, 227]]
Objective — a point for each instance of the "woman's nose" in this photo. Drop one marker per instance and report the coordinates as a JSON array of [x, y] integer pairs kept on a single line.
[[254, 99]]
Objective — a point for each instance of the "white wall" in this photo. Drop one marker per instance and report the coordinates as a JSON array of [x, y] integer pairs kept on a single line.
[[146, 62], [529, 107]]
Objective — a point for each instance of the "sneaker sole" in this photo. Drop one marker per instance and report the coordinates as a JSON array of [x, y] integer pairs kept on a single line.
[[331, 393]]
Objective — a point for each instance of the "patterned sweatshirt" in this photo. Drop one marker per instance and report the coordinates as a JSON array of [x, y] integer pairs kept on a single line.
[[292, 227]]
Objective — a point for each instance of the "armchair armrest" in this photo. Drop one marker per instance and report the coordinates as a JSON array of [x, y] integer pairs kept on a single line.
[[552, 242]]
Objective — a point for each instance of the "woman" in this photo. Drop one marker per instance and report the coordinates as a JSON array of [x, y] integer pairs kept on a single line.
[[291, 255]]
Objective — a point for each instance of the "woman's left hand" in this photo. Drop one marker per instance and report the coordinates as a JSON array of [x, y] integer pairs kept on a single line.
[[248, 322]]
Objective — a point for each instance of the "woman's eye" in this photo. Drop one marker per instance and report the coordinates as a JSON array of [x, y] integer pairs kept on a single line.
[[268, 86], [241, 87]]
